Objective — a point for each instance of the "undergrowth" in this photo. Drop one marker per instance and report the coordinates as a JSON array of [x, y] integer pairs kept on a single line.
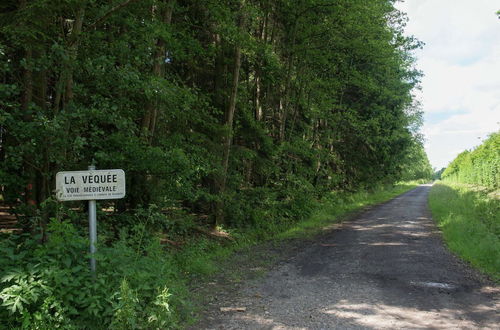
[[470, 221], [49, 286]]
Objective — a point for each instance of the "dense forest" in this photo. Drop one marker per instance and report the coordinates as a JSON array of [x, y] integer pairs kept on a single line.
[[223, 114], [480, 166]]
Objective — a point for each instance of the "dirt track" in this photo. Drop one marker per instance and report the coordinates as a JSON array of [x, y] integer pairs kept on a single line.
[[385, 268]]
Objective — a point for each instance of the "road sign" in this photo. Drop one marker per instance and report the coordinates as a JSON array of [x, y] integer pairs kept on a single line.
[[90, 185]]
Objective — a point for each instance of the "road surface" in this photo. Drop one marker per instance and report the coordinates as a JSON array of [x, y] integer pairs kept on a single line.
[[385, 268]]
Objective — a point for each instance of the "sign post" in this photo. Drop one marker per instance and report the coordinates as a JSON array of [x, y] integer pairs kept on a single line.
[[92, 228], [90, 185]]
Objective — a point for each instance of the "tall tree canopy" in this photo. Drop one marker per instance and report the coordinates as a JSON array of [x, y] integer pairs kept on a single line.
[[233, 109]]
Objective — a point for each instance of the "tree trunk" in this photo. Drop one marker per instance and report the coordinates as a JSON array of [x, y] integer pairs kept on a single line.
[[40, 86], [258, 105], [162, 11], [229, 118], [26, 100], [219, 97], [258, 87], [150, 117], [285, 100], [73, 52]]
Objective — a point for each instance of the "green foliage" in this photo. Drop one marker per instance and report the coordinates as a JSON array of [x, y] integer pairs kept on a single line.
[[125, 316], [416, 164], [470, 221], [438, 174], [50, 285], [480, 166]]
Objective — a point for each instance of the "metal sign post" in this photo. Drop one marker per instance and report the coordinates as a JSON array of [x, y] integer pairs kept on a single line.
[[90, 185], [92, 228]]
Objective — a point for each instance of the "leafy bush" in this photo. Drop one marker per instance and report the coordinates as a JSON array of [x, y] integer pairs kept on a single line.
[[50, 285], [480, 166]]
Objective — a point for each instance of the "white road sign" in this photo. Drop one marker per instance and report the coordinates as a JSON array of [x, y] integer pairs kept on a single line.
[[90, 185]]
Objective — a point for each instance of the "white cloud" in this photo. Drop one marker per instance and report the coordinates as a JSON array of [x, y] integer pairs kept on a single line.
[[461, 62], [450, 88]]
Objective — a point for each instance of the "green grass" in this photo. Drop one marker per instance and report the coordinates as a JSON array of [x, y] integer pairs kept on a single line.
[[470, 221]]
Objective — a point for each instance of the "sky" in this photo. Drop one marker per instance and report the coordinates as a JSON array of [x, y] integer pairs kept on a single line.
[[460, 93]]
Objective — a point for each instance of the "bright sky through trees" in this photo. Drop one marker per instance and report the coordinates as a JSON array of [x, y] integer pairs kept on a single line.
[[461, 62]]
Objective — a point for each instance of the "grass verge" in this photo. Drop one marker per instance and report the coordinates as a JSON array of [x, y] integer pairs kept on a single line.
[[470, 221]]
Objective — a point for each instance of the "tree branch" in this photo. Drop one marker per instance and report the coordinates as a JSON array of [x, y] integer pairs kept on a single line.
[[110, 12]]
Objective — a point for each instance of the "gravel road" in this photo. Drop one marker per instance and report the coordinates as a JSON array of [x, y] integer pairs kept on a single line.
[[385, 268]]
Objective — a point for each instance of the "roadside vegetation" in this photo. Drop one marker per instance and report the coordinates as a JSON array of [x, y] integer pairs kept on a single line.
[[479, 167], [231, 119], [466, 206]]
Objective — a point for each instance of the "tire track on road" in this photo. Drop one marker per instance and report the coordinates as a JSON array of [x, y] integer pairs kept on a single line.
[[385, 268]]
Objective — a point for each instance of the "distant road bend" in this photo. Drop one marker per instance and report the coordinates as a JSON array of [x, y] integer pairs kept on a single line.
[[385, 268]]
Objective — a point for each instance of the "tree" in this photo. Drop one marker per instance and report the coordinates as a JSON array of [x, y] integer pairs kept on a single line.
[[207, 105]]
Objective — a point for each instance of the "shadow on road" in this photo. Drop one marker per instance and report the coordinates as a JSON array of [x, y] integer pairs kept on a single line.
[[387, 268]]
